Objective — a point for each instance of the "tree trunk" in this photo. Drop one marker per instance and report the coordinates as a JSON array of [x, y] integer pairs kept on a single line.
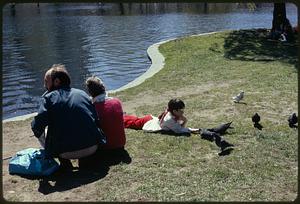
[[121, 6], [279, 15], [281, 28]]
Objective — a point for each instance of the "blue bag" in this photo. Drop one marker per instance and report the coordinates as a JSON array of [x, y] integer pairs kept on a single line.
[[32, 161]]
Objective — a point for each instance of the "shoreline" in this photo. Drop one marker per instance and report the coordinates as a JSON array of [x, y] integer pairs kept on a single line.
[[157, 63]]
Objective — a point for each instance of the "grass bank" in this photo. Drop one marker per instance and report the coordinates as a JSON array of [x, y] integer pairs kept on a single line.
[[204, 71]]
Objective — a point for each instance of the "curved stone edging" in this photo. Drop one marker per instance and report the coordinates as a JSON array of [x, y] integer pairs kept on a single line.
[[19, 118], [158, 62]]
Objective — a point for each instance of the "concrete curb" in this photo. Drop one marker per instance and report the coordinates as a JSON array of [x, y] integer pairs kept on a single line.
[[19, 118], [158, 62]]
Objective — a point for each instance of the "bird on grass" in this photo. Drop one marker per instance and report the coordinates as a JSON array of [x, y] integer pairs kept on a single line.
[[293, 119], [223, 144], [225, 152], [208, 135], [258, 126], [255, 120], [238, 97], [221, 129], [213, 136]]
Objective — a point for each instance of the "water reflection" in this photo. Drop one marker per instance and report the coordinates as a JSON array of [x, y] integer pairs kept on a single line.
[[108, 40]]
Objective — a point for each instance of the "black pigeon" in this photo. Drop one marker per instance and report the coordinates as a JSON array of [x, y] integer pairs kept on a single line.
[[293, 119], [293, 126], [223, 144], [225, 152], [258, 126], [255, 118], [221, 129], [208, 135]]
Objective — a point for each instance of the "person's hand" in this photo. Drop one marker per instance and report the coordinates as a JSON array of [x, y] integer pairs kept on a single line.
[[183, 119], [194, 130]]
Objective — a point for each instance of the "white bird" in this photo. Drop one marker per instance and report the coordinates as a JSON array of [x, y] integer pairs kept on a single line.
[[238, 97]]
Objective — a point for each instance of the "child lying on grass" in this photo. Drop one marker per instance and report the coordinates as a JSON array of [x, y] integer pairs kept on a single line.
[[171, 120]]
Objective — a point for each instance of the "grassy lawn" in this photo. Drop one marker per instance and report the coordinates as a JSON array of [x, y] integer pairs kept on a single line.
[[205, 72]]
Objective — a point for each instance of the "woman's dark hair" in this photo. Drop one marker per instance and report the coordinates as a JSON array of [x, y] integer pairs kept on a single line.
[[95, 86], [175, 104], [59, 71]]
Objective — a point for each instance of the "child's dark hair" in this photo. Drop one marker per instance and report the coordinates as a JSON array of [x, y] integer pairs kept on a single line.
[[175, 104]]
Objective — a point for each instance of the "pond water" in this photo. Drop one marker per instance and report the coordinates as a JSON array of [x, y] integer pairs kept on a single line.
[[107, 40]]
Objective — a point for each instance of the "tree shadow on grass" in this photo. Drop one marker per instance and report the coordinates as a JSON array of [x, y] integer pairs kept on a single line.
[[94, 168], [253, 45]]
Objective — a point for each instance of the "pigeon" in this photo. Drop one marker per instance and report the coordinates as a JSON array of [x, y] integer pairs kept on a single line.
[[238, 97], [225, 152], [208, 135], [221, 129], [255, 118], [211, 136], [223, 144], [293, 119], [258, 126]]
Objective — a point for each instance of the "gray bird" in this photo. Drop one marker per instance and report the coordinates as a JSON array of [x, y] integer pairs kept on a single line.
[[208, 135], [221, 129], [223, 144], [255, 118], [293, 119], [238, 97]]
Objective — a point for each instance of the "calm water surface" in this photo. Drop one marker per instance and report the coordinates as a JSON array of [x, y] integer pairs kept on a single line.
[[105, 40]]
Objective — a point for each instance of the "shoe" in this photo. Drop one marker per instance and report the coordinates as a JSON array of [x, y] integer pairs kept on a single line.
[[65, 165]]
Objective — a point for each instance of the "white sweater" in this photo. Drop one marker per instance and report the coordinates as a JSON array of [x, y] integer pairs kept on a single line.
[[168, 123]]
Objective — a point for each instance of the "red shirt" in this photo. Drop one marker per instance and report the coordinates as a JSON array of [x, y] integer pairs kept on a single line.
[[110, 114]]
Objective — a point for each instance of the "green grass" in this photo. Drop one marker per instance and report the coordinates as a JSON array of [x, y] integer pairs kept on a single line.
[[206, 71]]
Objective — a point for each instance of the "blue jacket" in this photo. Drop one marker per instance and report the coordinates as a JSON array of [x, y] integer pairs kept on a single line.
[[71, 119]]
